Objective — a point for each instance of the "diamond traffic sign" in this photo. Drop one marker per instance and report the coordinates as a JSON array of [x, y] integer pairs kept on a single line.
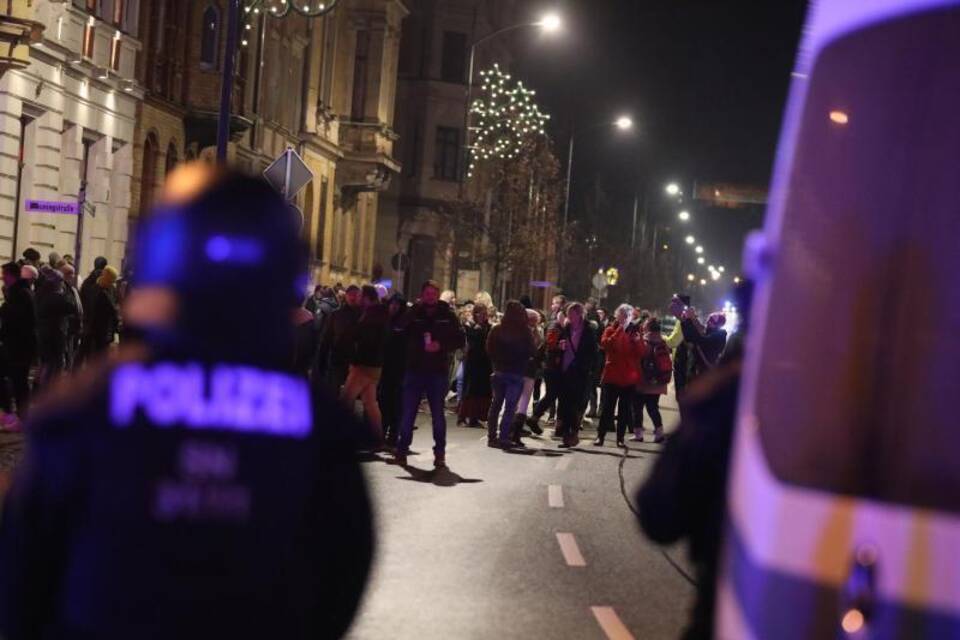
[[288, 174]]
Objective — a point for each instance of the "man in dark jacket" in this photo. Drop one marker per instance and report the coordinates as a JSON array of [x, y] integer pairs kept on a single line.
[[685, 494], [577, 353], [389, 391], [18, 336], [369, 338], [54, 310], [198, 445], [75, 320], [89, 291], [706, 343], [433, 333], [336, 344]]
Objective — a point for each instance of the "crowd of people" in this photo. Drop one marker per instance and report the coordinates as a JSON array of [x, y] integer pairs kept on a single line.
[[50, 324], [503, 371]]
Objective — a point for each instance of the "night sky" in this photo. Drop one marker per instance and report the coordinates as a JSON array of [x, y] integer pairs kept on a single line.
[[705, 80]]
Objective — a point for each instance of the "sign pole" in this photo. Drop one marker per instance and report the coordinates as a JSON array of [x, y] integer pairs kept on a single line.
[[78, 245], [226, 83]]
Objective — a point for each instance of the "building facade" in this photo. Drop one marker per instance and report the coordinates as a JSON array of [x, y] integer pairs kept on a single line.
[[68, 110], [324, 86]]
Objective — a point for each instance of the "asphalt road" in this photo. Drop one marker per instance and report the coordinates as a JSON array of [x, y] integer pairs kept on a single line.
[[514, 545]]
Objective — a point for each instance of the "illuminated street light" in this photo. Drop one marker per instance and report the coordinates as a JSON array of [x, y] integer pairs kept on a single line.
[[551, 23], [690, 239], [711, 268], [673, 189], [715, 275], [701, 260], [684, 216], [691, 277], [721, 269], [624, 123], [736, 280], [665, 247], [839, 117], [699, 249], [703, 282]]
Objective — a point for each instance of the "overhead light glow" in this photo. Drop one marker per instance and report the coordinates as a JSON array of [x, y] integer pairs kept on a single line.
[[701, 260], [839, 117], [551, 23], [684, 216], [673, 189], [624, 123], [690, 239], [721, 269], [699, 249], [703, 282], [691, 277]]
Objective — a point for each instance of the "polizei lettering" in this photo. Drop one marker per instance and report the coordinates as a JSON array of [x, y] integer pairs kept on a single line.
[[225, 397]]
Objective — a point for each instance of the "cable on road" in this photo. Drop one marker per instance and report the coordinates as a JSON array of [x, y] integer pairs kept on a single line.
[[626, 498]]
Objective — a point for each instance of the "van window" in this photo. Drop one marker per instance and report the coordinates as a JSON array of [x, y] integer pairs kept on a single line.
[[859, 384]]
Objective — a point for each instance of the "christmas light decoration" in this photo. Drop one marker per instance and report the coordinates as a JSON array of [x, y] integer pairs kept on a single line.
[[506, 118], [282, 8]]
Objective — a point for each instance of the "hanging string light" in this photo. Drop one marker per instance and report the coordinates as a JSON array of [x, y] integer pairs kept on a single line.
[[506, 118], [280, 9]]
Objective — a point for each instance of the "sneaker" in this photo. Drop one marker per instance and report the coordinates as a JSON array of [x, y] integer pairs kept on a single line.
[[598, 442], [587, 421], [637, 435], [658, 435]]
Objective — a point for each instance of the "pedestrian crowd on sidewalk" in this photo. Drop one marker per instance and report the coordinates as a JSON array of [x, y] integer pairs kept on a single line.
[[50, 324], [503, 371]]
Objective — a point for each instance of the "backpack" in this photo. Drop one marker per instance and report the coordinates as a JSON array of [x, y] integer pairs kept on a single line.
[[657, 366]]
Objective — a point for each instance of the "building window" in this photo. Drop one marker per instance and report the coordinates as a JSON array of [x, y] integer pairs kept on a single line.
[[210, 37], [322, 222], [89, 35], [446, 158], [148, 175], [453, 64], [115, 52], [119, 10], [172, 158], [360, 68]]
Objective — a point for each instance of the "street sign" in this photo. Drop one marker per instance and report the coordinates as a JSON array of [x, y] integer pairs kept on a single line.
[[400, 262], [288, 174], [51, 206]]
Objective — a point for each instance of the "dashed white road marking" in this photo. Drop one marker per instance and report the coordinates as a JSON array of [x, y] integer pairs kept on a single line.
[[555, 496], [563, 463], [570, 550], [611, 624]]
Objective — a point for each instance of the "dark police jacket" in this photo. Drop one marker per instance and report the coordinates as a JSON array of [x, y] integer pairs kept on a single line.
[[184, 500]]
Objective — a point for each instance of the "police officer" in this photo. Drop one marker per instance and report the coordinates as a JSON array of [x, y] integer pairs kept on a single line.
[[188, 488]]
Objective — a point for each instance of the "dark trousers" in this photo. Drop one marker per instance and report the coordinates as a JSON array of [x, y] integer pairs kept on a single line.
[[536, 390], [570, 403], [389, 395], [19, 375], [650, 401], [553, 380], [415, 386], [621, 398]]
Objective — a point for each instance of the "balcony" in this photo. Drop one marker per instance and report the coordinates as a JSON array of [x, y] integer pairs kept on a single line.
[[368, 163], [17, 31]]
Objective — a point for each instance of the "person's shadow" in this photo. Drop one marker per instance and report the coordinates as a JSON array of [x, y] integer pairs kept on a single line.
[[531, 451], [599, 451], [442, 477]]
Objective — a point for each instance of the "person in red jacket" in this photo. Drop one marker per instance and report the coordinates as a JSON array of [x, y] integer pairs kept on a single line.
[[623, 348]]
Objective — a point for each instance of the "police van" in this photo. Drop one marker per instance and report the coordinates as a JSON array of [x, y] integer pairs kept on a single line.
[[844, 488]]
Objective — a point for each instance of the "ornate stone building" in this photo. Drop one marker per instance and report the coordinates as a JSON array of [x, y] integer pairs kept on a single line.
[[324, 86], [68, 104]]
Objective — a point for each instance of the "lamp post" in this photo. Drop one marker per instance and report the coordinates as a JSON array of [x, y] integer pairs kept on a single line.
[[274, 9], [623, 123]]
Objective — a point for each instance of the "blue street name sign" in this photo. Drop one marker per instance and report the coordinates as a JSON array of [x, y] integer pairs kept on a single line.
[[51, 206]]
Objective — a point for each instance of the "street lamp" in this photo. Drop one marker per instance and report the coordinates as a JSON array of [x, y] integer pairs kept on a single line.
[[691, 277], [721, 269], [699, 249], [623, 123], [690, 239], [701, 260], [684, 216], [673, 189]]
